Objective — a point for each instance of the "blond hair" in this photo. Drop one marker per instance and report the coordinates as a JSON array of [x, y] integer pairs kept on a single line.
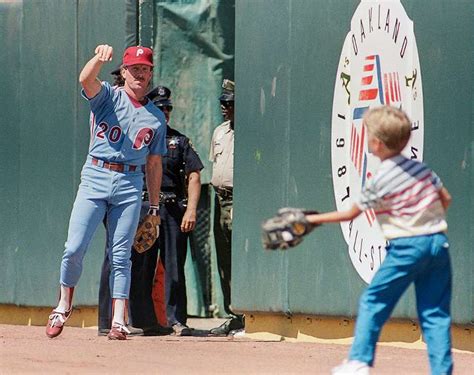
[[391, 125]]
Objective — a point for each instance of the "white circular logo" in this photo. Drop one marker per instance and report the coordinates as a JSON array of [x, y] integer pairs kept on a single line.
[[378, 66]]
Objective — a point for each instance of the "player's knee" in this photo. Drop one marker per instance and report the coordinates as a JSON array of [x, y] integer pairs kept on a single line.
[[73, 256], [121, 264]]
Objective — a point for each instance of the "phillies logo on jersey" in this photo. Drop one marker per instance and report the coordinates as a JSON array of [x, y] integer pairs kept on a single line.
[[378, 66], [143, 138]]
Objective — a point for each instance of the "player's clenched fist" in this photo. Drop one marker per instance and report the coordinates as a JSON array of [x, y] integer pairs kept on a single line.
[[104, 52]]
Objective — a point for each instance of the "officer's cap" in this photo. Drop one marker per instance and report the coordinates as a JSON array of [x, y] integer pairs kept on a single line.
[[228, 88], [160, 96], [116, 71]]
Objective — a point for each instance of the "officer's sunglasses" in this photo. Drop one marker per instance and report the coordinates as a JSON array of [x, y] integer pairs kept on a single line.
[[166, 108], [227, 104]]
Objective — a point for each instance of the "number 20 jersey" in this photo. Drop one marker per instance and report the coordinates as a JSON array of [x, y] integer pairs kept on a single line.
[[122, 129]]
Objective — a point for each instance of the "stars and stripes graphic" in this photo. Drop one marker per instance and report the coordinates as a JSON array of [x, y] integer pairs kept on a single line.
[[371, 81], [391, 83], [357, 148], [359, 159]]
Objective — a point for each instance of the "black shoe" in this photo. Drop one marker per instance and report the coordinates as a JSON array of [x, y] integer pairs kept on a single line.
[[134, 331], [157, 330], [180, 329], [233, 324]]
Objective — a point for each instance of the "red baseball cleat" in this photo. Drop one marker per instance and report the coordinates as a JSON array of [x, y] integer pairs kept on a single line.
[[56, 323], [118, 332]]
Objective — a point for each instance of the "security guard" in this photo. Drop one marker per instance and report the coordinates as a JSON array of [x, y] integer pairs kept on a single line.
[[180, 192], [222, 157]]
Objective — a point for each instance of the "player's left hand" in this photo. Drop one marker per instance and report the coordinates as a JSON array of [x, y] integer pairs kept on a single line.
[[189, 221], [147, 233]]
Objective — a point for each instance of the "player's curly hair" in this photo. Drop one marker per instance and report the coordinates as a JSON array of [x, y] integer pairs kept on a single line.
[[389, 124]]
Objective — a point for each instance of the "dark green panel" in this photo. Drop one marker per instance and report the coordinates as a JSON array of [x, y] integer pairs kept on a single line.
[[46, 124], [47, 105], [194, 50], [262, 144], [317, 36], [283, 153], [10, 34]]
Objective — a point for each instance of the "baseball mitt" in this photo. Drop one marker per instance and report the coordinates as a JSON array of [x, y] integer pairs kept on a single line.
[[286, 229], [147, 233]]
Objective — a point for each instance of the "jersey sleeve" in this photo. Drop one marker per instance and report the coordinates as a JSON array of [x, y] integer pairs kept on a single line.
[[102, 100], [192, 161], [158, 144]]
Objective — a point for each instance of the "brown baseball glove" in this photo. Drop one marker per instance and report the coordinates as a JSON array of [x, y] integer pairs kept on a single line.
[[147, 233]]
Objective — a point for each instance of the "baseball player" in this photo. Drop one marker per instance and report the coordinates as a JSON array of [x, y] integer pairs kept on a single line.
[[127, 137]]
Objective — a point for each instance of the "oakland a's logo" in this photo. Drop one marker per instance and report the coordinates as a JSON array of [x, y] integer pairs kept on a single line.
[[378, 66]]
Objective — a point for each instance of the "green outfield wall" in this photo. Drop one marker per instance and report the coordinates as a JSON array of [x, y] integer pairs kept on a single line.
[[287, 57], [46, 135]]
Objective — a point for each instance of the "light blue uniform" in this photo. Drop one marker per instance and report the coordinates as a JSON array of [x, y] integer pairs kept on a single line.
[[122, 131]]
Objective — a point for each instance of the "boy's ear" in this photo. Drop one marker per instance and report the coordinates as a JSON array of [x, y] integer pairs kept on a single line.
[[379, 144]]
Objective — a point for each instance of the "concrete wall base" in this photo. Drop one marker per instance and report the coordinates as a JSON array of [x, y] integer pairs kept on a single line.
[[339, 330], [270, 327]]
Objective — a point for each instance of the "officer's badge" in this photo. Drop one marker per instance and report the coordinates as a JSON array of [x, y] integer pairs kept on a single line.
[[173, 143], [161, 91]]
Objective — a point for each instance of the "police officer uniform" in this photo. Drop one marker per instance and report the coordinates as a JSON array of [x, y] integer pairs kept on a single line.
[[222, 157], [180, 160]]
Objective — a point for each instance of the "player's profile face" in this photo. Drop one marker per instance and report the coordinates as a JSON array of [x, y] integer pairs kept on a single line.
[[138, 76]]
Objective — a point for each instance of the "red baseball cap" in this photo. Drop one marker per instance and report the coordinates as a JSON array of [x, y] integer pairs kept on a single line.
[[138, 55]]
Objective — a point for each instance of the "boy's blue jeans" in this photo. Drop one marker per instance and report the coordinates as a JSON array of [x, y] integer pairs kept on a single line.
[[425, 261]]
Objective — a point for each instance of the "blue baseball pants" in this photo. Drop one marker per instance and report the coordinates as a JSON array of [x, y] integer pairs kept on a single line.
[[104, 191]]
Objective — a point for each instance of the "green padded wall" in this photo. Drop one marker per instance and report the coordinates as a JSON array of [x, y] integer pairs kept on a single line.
[[193, 41], [287, 55], [46, 136]]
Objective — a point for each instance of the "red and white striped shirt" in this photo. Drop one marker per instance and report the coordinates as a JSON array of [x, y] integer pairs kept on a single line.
[[404, 194]]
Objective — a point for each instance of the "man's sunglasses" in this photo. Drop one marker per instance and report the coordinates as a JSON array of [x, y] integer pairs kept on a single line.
[[227, 104], [166, 108]]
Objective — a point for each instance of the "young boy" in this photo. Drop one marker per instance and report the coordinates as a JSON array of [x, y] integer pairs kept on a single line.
[[410, 202]]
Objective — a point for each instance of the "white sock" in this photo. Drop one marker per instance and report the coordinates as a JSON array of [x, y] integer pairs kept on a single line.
[[119, 311], [64, 299]]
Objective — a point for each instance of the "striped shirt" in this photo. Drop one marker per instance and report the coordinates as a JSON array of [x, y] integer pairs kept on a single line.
[[404, 194]]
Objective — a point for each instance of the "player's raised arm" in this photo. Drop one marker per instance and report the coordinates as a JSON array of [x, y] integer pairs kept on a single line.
[[88, 77]]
